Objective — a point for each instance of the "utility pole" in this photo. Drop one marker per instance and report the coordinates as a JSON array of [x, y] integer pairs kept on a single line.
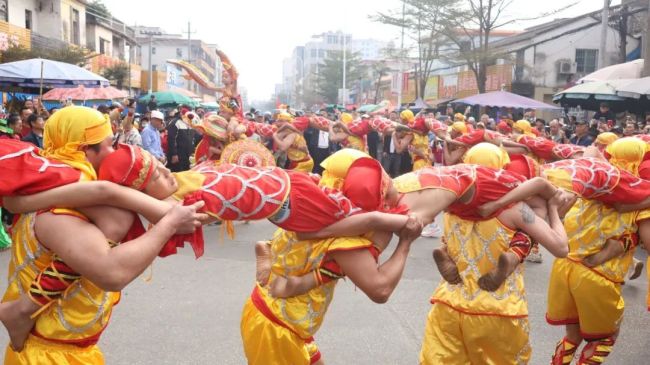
[[603, 35], [150, 68], [345, 65], [646, 44], [401, 55], [189, 50]]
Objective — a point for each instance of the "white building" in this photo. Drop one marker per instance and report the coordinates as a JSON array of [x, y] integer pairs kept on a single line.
[[551, 56], [305, 60]]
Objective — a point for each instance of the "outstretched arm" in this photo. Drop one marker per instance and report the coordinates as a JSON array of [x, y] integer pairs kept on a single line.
[[625, 208], [359, 224], [89, 194], [284, 142], [535, 186], [83, 247], [377, 282]]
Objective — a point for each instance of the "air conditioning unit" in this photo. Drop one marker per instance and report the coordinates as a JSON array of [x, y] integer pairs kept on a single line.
[[567, 67]]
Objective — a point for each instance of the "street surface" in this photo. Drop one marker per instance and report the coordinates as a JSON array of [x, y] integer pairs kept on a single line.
[[189, 312]]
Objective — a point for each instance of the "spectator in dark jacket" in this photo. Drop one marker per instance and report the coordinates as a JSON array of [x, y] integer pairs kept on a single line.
[[179, 145], [35, 136]]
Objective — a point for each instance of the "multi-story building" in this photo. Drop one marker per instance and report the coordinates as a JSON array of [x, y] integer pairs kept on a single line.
[[54, 24], [551, 56], [298, 70], [166, 46]]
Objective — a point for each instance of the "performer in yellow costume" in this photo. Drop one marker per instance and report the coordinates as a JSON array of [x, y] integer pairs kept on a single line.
[[67, 331], [414, 138], [588, 300], [469, 325], [280, 331], [294, 144]]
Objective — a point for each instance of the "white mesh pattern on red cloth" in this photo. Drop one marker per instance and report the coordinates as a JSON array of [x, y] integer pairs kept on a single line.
[[541, 147], [380, 124], [456, 178], [644, 137], [32, 151], [345, 205], [590, 177], [321, 122], [263, 129], [243, 192], [437, 125], [567, 151]]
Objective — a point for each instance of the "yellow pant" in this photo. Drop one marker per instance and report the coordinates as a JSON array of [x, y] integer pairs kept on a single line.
[[578, 295], [304, 166], [452, 337], [266, 343], [42, 352]]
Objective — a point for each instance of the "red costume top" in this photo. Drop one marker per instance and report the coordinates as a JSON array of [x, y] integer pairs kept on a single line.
[[598, 180], [25, 171], [548, 150], [489, 185], [476, 136]]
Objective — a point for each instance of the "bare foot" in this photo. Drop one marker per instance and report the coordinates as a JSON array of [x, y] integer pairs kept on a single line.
[[446, 266], [262, 262], [17, 322], [495, 278]]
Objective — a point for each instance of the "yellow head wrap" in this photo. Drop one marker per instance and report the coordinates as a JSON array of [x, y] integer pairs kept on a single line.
[[72, 127], [606, 138], [488, 155], [459, 127], [285, 117], [524, 127], [346, 118], [337, 165], [407, 115], [459, 117], [627, 154]]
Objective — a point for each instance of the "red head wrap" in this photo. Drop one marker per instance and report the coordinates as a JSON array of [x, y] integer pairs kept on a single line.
[[129, 166], [366, 184]]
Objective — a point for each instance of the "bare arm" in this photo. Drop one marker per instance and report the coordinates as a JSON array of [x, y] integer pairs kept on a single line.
[[377, 282], [284, 142], [89, 194], [402, 143], [625, 208], [453, 157], [516, 150], [552, 235], [84, 248], [359, 224], [535, 186], [335, 136]]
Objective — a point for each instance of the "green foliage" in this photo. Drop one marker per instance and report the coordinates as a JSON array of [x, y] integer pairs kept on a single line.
[[330, 76], [71, 54], [98, 7], [117, 74]]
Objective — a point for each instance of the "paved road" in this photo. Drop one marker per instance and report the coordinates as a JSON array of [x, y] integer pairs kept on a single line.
[[189, 312]]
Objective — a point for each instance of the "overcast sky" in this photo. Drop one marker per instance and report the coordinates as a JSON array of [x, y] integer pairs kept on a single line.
[[259, 34]]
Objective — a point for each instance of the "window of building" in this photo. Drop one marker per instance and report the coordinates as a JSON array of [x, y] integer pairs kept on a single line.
[[179, 52], [314, 53], [586, 60], [76, 26], [153, 50], [104, 46], [321, 53], [28, 19], [154, 67]]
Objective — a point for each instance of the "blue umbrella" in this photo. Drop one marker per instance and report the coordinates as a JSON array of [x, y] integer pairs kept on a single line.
[[38, 72]]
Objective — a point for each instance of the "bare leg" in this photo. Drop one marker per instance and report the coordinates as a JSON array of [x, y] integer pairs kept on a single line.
[[262, 261], [446, 265], [492, 280], [16, 317]]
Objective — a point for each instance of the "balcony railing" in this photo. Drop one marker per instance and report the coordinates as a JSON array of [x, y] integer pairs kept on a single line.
[[114, 24], [12, 35]]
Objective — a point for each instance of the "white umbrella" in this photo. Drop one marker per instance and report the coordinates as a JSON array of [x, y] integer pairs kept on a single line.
[[49, 74], [634, 88], [628, 70]]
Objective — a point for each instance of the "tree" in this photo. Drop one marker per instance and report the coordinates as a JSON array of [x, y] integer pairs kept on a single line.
[[469, 29], [98, 7], [380, 70], [71, 54], [424, 23], [119, 73], [329, 78]]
